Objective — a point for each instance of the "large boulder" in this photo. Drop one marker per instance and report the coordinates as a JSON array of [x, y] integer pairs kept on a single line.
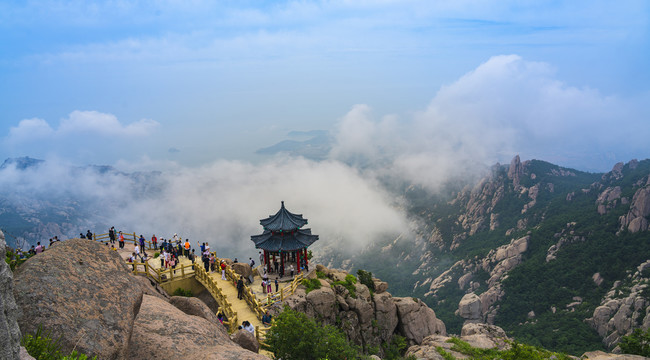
[[246, 340], [242, 269], [416, 320], [164, 332], [196, 307], [469, 308], [82, 291], [9, 330], [385, 315], [485, 336]]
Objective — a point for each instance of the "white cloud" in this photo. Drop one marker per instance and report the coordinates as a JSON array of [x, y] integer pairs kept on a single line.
[[29, 129], [103, 124], [80, 122], [506, 106]]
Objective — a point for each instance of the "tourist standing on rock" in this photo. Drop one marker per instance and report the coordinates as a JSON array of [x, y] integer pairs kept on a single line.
[[39, 248], [121, 238], [154, 241], [162, 259], [82, 236], [89, 235], [268, 286], [213, 261], [240, 288], [263, 287], [277, 284], [223, 270], [291, 269], [261, 258], [111, 235]]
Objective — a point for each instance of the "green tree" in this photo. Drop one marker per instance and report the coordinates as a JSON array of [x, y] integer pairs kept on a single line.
[[637, 343], [294, 336]]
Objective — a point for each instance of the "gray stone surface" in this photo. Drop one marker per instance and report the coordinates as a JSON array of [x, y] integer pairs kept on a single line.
[[82, 291], [9, 330]]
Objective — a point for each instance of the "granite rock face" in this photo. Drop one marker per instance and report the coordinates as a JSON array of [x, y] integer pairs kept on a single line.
[[80, 290], [477, 335], [196, 307], [417, 320], [246, 340], [9, 330], [368, 320], [164, 332]]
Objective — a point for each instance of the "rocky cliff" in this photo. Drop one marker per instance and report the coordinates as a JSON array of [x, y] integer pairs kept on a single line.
[[84, 292], [368, 318], [526, 229], [9, 330]]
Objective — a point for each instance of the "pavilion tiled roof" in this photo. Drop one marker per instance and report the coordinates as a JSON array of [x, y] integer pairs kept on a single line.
[[284, 241], [283, 221]]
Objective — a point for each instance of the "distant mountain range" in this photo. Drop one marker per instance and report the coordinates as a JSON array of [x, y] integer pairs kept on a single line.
[[557, 257], [314, 144]]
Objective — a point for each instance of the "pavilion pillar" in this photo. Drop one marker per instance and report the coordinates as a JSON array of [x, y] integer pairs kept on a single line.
[[306, 259], [266, 262], [298, 260], [282, 262]]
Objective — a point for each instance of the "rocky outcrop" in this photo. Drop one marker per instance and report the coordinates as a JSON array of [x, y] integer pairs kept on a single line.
[[496, 263], [608, 199], [637, 217], [196, 307], [246, 340], [242, 269], [368, 319], [600, 355], [164, 332], [565, 237], [516, 171], [477, 335], [9, 330], [79, 290], [624, 308], [417, 320], [469, 308]]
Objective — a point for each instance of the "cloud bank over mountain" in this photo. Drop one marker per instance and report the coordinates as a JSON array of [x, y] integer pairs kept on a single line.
[[506, 106]]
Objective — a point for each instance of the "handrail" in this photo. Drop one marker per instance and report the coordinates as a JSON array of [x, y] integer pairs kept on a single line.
[[225, 307]]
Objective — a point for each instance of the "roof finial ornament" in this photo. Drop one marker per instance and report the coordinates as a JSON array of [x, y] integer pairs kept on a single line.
[[282, 203]]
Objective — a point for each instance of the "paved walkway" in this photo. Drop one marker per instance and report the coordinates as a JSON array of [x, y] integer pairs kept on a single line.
[[242, 309]]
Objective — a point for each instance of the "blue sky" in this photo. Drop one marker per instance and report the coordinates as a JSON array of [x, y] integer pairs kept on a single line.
[[166, 83]]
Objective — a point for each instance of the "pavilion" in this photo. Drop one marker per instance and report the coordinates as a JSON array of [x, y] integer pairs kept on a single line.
[[283, 238]]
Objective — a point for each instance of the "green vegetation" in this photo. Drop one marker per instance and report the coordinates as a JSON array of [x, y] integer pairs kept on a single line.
[[365, 277], [396, 348], [311, 284], [183, 292], [349, 282], [294, 336], [637, 343], [320, 275], [517, 351], [41, 346], [156, 254]]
